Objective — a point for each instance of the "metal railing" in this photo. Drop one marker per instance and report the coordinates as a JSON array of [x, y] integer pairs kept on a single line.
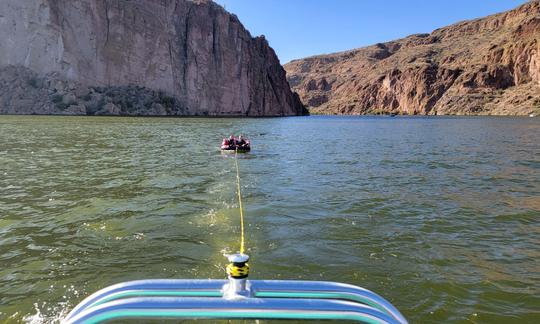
[[235, 299]]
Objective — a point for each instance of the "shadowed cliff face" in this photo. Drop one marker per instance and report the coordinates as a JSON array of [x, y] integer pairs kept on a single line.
[[485, 66], [192, 57]]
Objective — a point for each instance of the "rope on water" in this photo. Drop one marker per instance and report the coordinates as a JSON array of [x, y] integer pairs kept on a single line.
[[242, 235]]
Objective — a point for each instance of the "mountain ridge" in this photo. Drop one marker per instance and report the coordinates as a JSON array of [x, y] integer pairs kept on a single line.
[[488, 65]]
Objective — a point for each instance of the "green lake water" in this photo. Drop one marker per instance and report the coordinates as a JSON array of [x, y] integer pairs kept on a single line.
[[439, 215]]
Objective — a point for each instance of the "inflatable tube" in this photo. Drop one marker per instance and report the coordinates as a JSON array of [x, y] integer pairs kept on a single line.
[[226, 148]]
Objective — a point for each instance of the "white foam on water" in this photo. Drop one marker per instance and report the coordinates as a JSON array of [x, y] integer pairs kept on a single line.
[[52, 313], [58, 312]]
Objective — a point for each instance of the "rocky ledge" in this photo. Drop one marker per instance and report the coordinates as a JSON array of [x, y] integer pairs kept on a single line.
[[484, 66], [136, 57]]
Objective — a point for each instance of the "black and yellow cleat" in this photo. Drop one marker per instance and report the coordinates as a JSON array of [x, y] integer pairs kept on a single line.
[[238, 268]]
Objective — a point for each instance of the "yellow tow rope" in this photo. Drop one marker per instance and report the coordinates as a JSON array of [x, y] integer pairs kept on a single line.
[[242, 236], [238, 268]]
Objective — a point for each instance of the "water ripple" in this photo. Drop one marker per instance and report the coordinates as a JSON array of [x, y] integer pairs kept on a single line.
[[439, 215]]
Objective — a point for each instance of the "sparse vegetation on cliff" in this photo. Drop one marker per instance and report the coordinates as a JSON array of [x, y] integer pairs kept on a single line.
[[484, 66], [22, 89]]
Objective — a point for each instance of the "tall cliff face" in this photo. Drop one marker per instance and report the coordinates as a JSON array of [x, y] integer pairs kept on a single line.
[[156, 57], [484, 66]]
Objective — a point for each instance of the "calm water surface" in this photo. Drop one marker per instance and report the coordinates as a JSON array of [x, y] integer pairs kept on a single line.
[[439, 215]]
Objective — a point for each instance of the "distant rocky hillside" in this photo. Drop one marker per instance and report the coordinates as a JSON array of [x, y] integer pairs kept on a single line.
[[136, 57], [484, 66]]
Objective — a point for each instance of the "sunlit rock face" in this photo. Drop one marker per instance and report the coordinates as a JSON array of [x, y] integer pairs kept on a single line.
[[136, 57], [484, 66]]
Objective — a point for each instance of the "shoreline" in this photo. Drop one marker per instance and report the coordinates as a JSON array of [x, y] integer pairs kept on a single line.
[[273, 117]]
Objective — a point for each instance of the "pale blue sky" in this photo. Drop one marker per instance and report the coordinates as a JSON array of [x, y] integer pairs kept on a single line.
[[300, 28]]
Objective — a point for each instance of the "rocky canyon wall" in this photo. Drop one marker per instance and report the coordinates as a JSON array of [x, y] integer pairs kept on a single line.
[[136, 57], [484, 66]]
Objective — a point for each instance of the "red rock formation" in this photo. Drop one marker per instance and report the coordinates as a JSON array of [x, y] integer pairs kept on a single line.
[[484, 66]]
